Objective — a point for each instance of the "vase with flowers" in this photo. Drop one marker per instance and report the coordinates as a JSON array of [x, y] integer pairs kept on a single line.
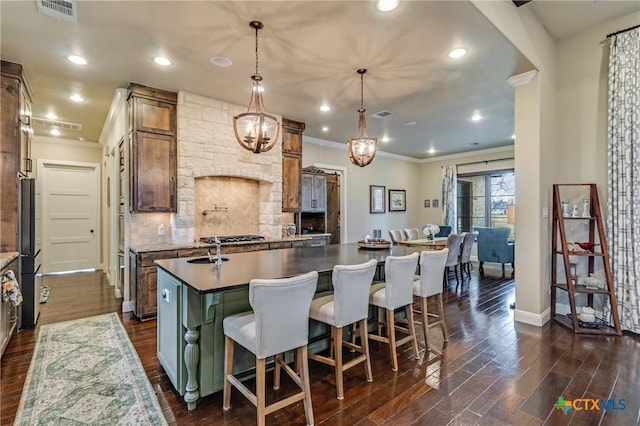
[[430, 231]]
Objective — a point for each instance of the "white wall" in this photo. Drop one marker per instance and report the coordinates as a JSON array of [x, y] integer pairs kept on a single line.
[[390, 172], [431, 176], [45, 147]]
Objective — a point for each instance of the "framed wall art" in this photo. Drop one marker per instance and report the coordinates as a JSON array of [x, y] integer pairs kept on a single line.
[[427, 203], [397, 200], [434, 202], [376, 199]]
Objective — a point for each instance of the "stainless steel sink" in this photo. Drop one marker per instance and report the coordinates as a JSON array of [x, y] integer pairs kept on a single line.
[[206, 260]]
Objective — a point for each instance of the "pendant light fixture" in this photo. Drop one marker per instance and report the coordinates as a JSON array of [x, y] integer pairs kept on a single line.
[[256, 130], [362, 148]]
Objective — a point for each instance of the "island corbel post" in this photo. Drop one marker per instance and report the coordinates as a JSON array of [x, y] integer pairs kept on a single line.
[[193, 300]]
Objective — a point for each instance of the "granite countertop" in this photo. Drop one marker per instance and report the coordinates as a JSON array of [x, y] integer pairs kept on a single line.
[[144, 248], [267, 264], [7, 257]]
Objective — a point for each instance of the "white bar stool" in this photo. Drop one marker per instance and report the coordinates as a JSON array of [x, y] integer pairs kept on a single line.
[[279, 323], [396, 292], [348, 304], [432, 264]]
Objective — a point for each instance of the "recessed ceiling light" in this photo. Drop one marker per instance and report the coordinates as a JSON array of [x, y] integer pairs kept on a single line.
[[325, 128], [76, 98], [79, 60], [161, 60], [81, 138], [410, 123], [54, 132], [432, 150], [387, 5], [457, 53], [476, 117], [221, 61], [325, 108], [51, 116], [385, 138]]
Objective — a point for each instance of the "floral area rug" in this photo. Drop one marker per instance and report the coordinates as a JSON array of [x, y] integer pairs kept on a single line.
[[87, 372]]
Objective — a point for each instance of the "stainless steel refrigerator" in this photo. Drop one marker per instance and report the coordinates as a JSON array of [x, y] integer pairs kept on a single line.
[[30, 259]]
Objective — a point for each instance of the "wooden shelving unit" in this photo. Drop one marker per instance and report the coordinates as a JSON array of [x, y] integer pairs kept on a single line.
[[560, 249]]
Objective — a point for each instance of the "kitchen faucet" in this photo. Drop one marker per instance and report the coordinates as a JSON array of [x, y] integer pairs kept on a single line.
[[218, 257]]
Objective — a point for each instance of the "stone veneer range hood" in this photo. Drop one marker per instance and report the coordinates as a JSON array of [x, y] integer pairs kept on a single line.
[[214, 168]]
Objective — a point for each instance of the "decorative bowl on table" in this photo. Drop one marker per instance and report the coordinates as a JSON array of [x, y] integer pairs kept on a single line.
[[374, 244]]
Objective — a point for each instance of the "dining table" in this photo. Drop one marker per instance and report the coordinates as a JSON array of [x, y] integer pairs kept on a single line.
[[438, 243]]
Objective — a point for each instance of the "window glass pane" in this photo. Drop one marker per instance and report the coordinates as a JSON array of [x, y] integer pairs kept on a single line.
[[503, 190]]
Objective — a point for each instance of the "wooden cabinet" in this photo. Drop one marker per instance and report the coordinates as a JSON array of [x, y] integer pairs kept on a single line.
[[15, 148], [314, 191], [153, 149], [291, 164], [143, 279]]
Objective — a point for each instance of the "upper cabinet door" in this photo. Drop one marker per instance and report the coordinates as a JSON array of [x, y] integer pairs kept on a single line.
[[154, 116], [320, 192], [307, 193], [154, 173]]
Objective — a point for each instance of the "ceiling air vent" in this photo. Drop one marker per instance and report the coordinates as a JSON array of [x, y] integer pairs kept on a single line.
[[381, 114], [62, 10], [55, 123]]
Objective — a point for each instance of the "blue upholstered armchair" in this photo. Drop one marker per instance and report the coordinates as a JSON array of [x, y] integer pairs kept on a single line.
[[445, 230], [493, 246]]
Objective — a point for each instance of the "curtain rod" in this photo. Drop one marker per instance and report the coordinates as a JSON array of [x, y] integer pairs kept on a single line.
[[623, 31], [485, 161]]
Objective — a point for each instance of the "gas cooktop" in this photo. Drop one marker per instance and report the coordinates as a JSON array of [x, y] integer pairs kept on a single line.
[[232, 238]]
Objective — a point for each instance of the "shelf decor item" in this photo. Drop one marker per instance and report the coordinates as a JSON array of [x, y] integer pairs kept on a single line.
[[585, 208], [565, 208], [574, 211]]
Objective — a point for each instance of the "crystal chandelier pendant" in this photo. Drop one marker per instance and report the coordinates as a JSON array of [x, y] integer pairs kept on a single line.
[[362, 149], [255, 130]]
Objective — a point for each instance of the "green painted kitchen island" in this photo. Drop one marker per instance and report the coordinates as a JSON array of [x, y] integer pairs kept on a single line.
[[193, 299]]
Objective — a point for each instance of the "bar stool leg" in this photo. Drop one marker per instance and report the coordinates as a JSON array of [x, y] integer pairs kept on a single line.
[[412, 329], [304, 379], [337, 332], [276, 372], [364, 342], [425, 322], [391, 333], [260, 379], [380, 321], [332, 343], [443, 324], [228, 368]]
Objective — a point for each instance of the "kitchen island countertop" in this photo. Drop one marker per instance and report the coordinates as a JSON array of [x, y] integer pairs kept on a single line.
[[243, 267], [140, 248]]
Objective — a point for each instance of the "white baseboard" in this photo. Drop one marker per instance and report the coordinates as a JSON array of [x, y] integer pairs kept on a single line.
[[127, 306], [533, 319]]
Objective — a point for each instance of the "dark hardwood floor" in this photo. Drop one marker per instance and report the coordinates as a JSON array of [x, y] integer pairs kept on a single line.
[[493, 370]]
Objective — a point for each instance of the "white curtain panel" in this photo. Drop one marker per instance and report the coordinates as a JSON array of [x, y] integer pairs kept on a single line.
[[449, 197], [623, 208]]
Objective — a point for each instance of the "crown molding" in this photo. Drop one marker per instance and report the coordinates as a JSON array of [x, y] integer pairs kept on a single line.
[[468, 154], [119, 99], [521, 79]]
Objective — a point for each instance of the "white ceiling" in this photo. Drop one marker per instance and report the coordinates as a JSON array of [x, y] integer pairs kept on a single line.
[[309, 52]]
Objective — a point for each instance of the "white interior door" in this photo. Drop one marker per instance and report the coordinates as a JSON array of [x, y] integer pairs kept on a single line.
[[70, 195]]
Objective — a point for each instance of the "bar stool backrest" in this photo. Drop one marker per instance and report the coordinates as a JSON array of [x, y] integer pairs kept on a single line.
[[281, 307], [432, 264], [399, 274], [351, 285]]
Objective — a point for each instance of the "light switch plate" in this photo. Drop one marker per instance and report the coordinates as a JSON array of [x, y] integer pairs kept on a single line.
[[545, 212]]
